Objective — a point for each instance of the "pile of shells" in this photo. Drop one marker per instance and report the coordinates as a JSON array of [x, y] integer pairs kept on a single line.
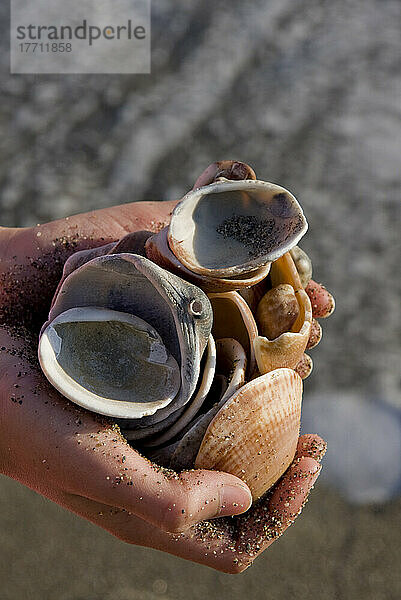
[[193, 339]]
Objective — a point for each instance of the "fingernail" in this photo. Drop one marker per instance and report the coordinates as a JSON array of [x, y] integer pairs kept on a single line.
[[234, 500]]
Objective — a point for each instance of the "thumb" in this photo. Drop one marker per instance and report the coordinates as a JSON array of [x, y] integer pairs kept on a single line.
[[198, 495]]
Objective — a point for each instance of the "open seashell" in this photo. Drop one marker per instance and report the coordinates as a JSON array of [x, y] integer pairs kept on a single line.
[[158, 250], [229, 228], [77, 352], [177, 315], [287, 349], [232, 362], [232, 318], [254, 436]]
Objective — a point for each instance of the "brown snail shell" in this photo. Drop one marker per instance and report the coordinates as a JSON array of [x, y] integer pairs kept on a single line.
[[287, 349], [277, 311]]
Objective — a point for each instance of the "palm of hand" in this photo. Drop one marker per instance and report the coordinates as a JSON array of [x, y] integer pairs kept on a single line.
[[81, 461]]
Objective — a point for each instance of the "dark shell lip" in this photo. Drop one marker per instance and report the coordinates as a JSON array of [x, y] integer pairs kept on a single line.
[[229, 228]]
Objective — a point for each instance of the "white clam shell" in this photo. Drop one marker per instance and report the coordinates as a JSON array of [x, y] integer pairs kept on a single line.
[[77, 352], [231, 227], [158, 250]]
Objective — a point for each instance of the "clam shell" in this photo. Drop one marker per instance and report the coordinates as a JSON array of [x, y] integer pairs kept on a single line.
[[254, 436], [179, 311], [158, 250], [287, 349], [232, 318], [233, 227], [231, 364], [77, 353]]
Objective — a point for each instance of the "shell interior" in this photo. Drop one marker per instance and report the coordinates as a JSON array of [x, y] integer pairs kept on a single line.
[[232, 227], [232, 318], [179, 311], [108, 361]]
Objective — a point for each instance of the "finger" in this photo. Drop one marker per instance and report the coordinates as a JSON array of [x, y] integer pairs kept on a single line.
[[311, 445], [44, 437], [323, 303], [270, 518], [209, 543], [305, 366], [32, 259], [315, 334]]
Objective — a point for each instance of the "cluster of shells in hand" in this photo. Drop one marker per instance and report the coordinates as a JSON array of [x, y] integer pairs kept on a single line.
[[193, 338]]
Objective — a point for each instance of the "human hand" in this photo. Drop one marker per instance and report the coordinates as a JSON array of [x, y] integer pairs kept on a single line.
[[80, 460]]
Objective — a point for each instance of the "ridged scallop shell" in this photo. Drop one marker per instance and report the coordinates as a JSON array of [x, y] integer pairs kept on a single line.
[[229, 228], [254, 436], [287, 349]]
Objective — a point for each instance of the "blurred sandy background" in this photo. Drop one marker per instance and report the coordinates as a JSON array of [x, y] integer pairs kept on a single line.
[[309, 94]]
